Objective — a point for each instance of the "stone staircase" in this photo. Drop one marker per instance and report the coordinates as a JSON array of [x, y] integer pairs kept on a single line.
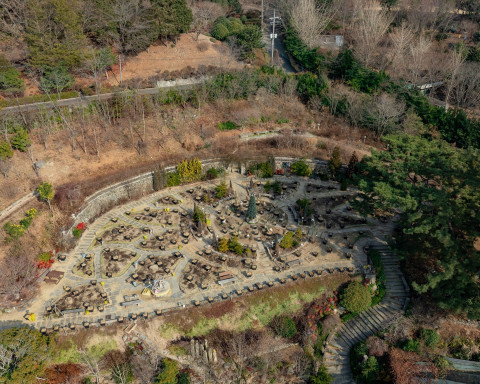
[[368, 323]]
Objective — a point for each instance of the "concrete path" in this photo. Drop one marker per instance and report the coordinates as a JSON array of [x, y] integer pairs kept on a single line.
[[368, 323]]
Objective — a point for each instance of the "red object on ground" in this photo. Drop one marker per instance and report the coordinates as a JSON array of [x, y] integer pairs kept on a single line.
[[81, 226], [45, 264]]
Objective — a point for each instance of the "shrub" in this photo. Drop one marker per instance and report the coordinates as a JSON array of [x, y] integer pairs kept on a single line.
[[20, 140], [56, 80], [77, 233], [189, 170], [173, 179], [222, 245], [44, 256], [198, 215], [335, 163], [267, 187], [356, 297], [168, 373], [321, 377], [301, 168], [234, 246], [411, 345], [221, 190], [184, 378], [10, 81], [430, 336], [212, 173], [287, 240], [6, 151], [284, 326], [15, 231], [227, 126], [277, 187]]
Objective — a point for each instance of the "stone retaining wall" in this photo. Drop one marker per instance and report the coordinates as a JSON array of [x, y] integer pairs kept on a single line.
[[130, 189], [142, 185]]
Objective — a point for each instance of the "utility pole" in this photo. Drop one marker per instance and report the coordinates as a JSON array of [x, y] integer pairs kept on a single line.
[[273, 36], [120, 62], [261, 20]]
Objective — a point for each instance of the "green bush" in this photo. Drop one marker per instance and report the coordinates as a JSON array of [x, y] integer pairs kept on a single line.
[[301, 168], [189, 170], [10, 81], [20, 140], [173, 179], [227, 126], [287, 240], [6, 151], [198, 215], [321, 377], [284, 326], [234, 246], [411, 345], [168, 373], [56, 80], [310, 59], [221, 190], [77, 233], [44, 256], [184, 378], [212, 173], [267, 186], [430, 337], [356, 297]]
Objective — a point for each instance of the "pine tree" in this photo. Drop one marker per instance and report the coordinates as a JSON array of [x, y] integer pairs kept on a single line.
[[335, 163], [352, 164], [252, 209]]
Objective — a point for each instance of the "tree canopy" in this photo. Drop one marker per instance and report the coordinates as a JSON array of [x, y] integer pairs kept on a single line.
[[435, 188], [24, 354]]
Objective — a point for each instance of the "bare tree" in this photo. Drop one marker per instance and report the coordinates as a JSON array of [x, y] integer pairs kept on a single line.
[[310, 19], [384, 114], [92, 364], [402, 39], [466, 86], [132, 27], [13, 17], [428, 14], [19, 273], [6, 358], [204, 14], [369, 26], [457, 58], [5, 166]]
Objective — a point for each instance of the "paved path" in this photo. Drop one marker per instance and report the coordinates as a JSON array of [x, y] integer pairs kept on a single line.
[[370, 322]]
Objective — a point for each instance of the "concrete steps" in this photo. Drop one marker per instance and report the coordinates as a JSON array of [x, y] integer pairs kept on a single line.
[[373, 320]]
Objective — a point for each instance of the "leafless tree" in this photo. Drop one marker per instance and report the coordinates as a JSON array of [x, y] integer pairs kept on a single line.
[[310, 19], [6, 358], [131, 34], [204, 14], [428, 14], [417, 59], [457, 58], [92, 364], [19, 273], [385, 113], [402, 38], [369, 26], [13, 17], [5, 166], [289, 88], [466, 86]]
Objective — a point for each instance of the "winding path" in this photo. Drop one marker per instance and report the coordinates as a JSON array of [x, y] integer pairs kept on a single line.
[[375, 319]]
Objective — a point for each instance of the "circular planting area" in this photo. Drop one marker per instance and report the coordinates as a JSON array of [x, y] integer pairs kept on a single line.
[[207, 241]]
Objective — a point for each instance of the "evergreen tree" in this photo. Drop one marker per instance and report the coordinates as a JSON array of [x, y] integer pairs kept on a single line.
[[222, 245], [171, 17], [352, 164], [335, 163], [436, 190], [54, 34], [252, 209]]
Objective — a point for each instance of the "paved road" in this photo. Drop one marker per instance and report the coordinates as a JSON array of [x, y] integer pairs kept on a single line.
[[267, 30], [85, 100]]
